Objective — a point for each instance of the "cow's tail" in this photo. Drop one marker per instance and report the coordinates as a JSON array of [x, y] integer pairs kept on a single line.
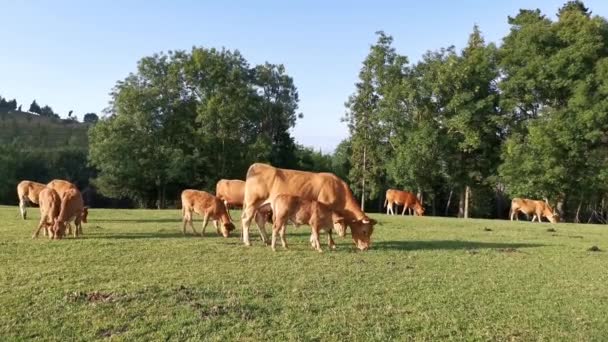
[[385, 202]]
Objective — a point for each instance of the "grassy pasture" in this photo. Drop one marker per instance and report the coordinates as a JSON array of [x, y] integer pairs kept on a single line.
[[133, 276]]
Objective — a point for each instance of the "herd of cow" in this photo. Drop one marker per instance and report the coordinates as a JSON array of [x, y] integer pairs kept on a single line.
[[321, 200]]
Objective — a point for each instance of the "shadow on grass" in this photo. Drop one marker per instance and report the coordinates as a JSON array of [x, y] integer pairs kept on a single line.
[[156, 235], [447, 245]]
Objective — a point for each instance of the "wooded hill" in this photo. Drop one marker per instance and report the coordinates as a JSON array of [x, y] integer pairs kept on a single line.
[[27, 130]]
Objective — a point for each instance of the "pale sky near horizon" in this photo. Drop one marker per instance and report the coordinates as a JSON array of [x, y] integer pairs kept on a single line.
[[69, 54]]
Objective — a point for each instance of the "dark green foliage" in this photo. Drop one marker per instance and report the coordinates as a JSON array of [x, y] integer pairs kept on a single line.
[[35, 108], [90, 118]]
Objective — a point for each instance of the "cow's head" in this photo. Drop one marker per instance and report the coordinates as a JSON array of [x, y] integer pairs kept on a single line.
[[550, 214], [339, 224], [227, 228], [58, 229], [361, 231], [419, 209], [553, 217]]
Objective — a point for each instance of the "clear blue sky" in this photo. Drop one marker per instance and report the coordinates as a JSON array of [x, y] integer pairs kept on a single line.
[[69, 54]]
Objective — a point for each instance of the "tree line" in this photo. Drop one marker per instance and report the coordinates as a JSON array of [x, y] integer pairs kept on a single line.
[[469, 129]]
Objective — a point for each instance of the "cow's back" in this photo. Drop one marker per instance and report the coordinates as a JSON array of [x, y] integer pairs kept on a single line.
[[231, 190], [50, 202], [266, 182], [29, 189], [71, 204], [61, 186]]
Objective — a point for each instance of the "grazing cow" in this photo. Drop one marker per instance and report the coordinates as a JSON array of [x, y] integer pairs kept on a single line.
[[61, 186], [302, 211], [265, 182], [50, 206], [72, 209], [207, 205], [407, 199], [28, 192], [532, 207]]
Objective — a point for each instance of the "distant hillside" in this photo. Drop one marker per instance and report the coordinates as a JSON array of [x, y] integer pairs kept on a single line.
[[35, 131]]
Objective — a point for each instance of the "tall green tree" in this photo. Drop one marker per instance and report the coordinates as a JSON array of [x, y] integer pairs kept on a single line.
[[566, 120], [366, 114]]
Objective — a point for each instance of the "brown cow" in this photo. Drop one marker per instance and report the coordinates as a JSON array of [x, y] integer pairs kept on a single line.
[[265, 182], [28, 192], [537, 208], [72, 208], [50, 206], [407, 199], [207, 205], [61, 186], [231, 192], [302, 211]]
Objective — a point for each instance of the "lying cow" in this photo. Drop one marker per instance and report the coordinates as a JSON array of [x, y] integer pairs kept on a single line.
[[264, 183], [28, 192], [407, 199], [533, 207], [207, 205], [302, 211], [72, 209], [50, 207]]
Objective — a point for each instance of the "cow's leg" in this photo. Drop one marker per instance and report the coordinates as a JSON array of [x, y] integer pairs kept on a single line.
[[217, 227], [275, 231], [260, 221], [246, 218], [404, 208], [184, 223], [191, 223], [22, 207], [315, 238], [78, 225], [330, 240], [282, 233], [40, 225], [205, 222]]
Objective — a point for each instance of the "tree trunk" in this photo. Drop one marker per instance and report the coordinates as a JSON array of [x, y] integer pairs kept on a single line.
[[461, 204], [467, 199], [363, 182], [447, 206]]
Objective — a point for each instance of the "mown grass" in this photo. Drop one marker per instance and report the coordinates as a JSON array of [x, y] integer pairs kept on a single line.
[[135, 277]]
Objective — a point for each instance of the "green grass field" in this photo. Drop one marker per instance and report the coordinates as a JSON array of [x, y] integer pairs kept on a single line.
[[133, 276]]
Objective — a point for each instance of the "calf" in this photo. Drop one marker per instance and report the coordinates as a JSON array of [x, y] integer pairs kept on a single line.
[[28, 192], [532, 207], [50, 206], [302, 211], [207, 205], [72, 209]]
